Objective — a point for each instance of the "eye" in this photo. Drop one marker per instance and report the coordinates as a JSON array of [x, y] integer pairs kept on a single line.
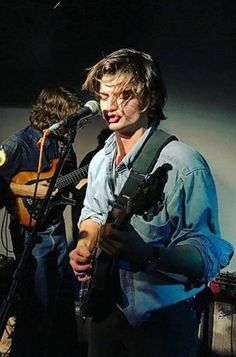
[[103, 96], [127, 94]]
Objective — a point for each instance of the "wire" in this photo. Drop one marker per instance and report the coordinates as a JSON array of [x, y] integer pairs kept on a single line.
[[4, 232]]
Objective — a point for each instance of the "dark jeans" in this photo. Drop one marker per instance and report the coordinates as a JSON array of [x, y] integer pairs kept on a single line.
[[169, 332], [45, 317]]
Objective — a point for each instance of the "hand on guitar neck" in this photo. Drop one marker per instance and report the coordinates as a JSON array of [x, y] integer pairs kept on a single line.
[[126, 245], [29, 190]]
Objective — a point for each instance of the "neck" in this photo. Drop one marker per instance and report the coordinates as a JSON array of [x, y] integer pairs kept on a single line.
[[125, 143]]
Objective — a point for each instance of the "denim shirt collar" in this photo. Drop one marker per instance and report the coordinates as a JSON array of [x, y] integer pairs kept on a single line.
[[127, 162]]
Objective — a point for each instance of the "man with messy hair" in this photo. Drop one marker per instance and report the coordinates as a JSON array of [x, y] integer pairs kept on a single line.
[[164, 258]]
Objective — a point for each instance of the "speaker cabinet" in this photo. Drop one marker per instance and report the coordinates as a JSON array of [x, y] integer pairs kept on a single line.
[[217, 333]]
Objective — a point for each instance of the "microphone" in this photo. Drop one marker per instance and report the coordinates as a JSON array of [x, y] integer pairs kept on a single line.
[[89, 109]]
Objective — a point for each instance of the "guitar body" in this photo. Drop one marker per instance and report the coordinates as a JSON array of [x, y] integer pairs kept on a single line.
[[28, 177], [20, 212], [25, 209], [98, 296], [18, 205]]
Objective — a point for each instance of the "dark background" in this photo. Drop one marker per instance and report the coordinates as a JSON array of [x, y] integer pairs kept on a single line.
[[42, 45]]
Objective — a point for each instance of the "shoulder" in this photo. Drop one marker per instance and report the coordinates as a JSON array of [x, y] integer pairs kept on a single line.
[[13, 145], [17, 138], [183, 157], [190, 175]]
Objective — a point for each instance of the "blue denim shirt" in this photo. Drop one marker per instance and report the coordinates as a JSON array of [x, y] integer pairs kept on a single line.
[[189, 216], [22, 152]]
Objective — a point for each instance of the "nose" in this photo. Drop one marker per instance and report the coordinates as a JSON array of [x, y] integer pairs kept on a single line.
[[111, 103]]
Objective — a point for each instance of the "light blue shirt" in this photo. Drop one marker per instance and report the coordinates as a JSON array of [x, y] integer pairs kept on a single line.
[[189, 216]]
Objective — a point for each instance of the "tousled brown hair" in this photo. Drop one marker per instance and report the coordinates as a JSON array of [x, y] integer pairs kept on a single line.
[[53, 105], [143, 75]]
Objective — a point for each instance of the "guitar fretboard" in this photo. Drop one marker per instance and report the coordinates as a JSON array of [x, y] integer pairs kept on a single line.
[[72, 177]]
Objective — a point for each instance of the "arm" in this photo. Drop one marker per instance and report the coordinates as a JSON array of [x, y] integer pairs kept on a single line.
[[81, 255], [196, 248], [29, 190], [128, 245], [199, 225], [91, 219]]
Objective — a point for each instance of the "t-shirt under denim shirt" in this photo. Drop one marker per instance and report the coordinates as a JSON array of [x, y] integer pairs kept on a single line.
[[189, 216]]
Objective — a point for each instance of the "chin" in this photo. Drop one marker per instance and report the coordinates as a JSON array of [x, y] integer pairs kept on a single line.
[[114, 126]]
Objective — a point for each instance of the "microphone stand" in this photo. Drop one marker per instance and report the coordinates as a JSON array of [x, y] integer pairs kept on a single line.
[[32, 239]]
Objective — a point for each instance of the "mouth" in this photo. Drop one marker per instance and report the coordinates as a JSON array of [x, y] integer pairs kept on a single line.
[[110, 119]]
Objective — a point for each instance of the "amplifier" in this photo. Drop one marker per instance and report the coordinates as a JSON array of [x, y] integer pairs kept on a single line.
[[217, 333]]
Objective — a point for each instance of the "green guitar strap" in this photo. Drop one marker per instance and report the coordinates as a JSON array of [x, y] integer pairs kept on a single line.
[[144, 163]]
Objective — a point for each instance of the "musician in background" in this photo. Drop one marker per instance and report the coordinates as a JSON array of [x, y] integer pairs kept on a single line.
[[165, 257], [45, 319]]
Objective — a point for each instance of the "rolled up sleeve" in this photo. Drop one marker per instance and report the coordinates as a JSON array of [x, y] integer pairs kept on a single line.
[[92, 204], [199, 222]]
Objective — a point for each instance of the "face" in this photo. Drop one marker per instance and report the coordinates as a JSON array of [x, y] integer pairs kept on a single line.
[[119, 107]]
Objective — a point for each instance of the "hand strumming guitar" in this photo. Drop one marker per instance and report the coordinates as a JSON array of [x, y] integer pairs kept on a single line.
[[29, 190], [80, 257]]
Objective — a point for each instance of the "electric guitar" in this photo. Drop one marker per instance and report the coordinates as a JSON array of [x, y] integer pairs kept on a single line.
[[25, 209], [99, 295]]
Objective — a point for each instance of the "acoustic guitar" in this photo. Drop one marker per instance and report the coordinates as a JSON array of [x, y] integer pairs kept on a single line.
[[25, 209]]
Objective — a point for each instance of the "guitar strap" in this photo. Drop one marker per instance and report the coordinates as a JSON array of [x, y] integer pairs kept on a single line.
[[144, 163]]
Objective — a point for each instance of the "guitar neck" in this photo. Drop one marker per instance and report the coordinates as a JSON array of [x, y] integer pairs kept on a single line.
[[72, 177]]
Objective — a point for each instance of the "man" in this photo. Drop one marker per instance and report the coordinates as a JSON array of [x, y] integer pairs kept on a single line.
[[165, 259], [46, 305]]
